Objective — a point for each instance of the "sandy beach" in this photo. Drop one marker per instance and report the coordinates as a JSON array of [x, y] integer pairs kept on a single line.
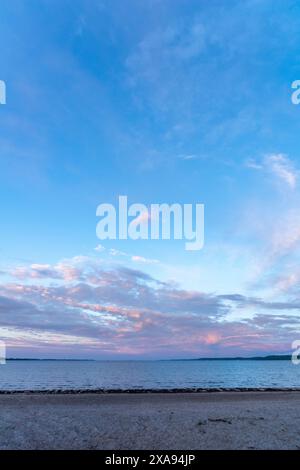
[[224, 420]]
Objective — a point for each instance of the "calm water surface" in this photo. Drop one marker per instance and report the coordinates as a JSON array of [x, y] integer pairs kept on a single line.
[[40, 375]]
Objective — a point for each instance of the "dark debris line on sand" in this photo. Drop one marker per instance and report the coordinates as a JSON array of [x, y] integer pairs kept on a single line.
[[149, 390]]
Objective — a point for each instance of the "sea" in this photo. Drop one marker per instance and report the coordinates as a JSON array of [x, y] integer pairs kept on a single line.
[[125, 375]]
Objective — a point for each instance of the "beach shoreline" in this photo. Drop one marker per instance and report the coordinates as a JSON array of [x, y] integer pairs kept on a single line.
[[126, 421], [100, 391]]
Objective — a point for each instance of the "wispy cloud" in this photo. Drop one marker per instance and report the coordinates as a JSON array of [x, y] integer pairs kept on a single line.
[[282, 167], [187, 157], [279, 166]]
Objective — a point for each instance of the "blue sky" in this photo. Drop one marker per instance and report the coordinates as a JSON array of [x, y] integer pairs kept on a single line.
[[162, 101]]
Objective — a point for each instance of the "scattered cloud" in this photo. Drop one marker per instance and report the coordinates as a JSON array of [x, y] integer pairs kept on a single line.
[[141, 259], [99, 248], [114, 252], [117, 253]]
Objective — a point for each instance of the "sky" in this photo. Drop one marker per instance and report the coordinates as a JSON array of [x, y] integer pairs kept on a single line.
[[164, 101]]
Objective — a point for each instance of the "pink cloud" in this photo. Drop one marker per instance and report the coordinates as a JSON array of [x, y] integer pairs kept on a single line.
[[108, 311]]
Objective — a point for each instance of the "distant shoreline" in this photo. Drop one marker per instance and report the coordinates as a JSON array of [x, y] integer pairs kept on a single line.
[[274, 357]]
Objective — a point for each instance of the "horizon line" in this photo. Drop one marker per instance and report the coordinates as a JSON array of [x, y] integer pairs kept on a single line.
[[223, 358]]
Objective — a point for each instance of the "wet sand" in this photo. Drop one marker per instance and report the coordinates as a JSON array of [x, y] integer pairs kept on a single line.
[[224, 420]]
